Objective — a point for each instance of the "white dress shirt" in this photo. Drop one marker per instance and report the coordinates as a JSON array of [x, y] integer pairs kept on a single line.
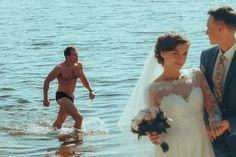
[[229, 55]]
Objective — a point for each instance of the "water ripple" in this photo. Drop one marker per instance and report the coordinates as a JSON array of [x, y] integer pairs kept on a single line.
[[6, 89], [2, 97], [22, 101], [8, 107]]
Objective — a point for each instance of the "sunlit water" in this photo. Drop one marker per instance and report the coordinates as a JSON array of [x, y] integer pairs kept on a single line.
[[113, 39]]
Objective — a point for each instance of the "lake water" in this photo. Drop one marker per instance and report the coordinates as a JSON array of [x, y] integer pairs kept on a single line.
[[113, 40]]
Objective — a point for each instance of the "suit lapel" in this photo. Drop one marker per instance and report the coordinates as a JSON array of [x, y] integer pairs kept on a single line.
[[212, 63], [230, 73]]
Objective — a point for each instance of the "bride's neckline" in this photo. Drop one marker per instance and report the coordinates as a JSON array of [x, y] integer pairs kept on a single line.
[[182, 77]]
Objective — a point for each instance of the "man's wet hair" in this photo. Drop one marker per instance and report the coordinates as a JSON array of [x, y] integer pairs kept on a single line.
[[68, 50]]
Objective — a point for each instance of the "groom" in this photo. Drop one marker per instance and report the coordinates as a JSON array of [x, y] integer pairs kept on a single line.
[[219, 65]]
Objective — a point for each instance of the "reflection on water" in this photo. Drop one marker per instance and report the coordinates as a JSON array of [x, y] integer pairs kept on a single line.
[[66, 151]]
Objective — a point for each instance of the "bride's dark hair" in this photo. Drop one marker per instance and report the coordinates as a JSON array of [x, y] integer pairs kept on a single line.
[[168, 42]]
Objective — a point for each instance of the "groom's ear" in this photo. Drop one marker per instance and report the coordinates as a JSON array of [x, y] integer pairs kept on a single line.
[[221, 26]]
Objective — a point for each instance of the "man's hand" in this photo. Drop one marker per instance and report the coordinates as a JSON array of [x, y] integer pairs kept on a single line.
[[154, 138], [46, 103], [224, 125], [218, 129], [91, 95]]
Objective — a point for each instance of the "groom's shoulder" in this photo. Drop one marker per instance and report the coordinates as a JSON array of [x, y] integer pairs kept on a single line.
[[212, 49]]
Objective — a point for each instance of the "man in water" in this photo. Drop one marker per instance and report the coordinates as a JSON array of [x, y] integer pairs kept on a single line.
[[67, 74]]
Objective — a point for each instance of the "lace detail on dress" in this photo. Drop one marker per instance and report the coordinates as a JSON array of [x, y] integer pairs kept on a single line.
[[187, 77], [210, 101], [183, 101], [181, 87]]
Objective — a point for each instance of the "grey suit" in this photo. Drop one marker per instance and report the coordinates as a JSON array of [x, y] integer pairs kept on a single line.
[[225, 145]]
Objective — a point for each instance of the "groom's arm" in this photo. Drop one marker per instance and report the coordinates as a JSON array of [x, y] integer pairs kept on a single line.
[[232, 122], [231, 125]]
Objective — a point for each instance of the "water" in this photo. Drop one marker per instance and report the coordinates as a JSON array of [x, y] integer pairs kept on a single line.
[[113, 39]]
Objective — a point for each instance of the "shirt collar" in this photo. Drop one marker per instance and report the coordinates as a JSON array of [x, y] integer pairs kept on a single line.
[[230, 53]]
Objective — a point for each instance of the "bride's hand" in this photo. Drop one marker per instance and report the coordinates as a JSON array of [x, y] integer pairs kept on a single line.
[[154, 137], [217, 129], [211, 134]]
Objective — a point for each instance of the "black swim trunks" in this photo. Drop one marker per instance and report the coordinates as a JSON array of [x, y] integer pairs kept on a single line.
[[60, 95]]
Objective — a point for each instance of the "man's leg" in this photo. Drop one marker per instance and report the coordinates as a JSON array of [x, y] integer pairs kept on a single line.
[[68, 106], [60, 118]]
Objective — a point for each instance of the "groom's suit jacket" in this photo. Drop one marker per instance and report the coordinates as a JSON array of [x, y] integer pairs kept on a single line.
[[228, 107]]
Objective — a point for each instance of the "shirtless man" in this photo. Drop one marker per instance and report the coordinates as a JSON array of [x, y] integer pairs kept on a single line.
[[67, 73]]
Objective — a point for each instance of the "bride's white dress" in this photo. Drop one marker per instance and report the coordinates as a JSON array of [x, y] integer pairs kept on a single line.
[[182, 100]]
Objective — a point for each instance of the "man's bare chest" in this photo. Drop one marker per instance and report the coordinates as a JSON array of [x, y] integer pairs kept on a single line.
[[68, 74]]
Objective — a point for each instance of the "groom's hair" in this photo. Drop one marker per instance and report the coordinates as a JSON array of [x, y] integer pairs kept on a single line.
[[168, 42], [225, 14]]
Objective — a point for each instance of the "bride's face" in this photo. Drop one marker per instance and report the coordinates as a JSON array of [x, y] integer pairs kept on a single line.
[[176, 58]]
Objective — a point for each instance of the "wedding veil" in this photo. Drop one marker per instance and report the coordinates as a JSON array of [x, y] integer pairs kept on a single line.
[[138, 101]]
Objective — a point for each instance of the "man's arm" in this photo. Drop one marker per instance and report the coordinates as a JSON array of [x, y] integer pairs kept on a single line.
[[85, 83], [51, 76]]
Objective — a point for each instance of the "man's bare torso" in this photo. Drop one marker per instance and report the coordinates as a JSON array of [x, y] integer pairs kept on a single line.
[[67, 77]]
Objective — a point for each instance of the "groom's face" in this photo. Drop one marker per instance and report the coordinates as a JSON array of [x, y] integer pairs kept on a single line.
[[212, 30]]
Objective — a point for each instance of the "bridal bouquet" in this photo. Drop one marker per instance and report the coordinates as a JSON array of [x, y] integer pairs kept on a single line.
[[151, 120]]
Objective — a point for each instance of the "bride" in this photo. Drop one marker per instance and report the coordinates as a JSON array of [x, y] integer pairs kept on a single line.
[[181, 94]]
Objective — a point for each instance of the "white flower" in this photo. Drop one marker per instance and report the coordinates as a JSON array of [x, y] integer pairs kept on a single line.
[[146, 114], [134, 125], [153, 112]]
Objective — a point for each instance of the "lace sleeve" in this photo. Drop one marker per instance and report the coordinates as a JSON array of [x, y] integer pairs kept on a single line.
[[151, 95], [209, 100]]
